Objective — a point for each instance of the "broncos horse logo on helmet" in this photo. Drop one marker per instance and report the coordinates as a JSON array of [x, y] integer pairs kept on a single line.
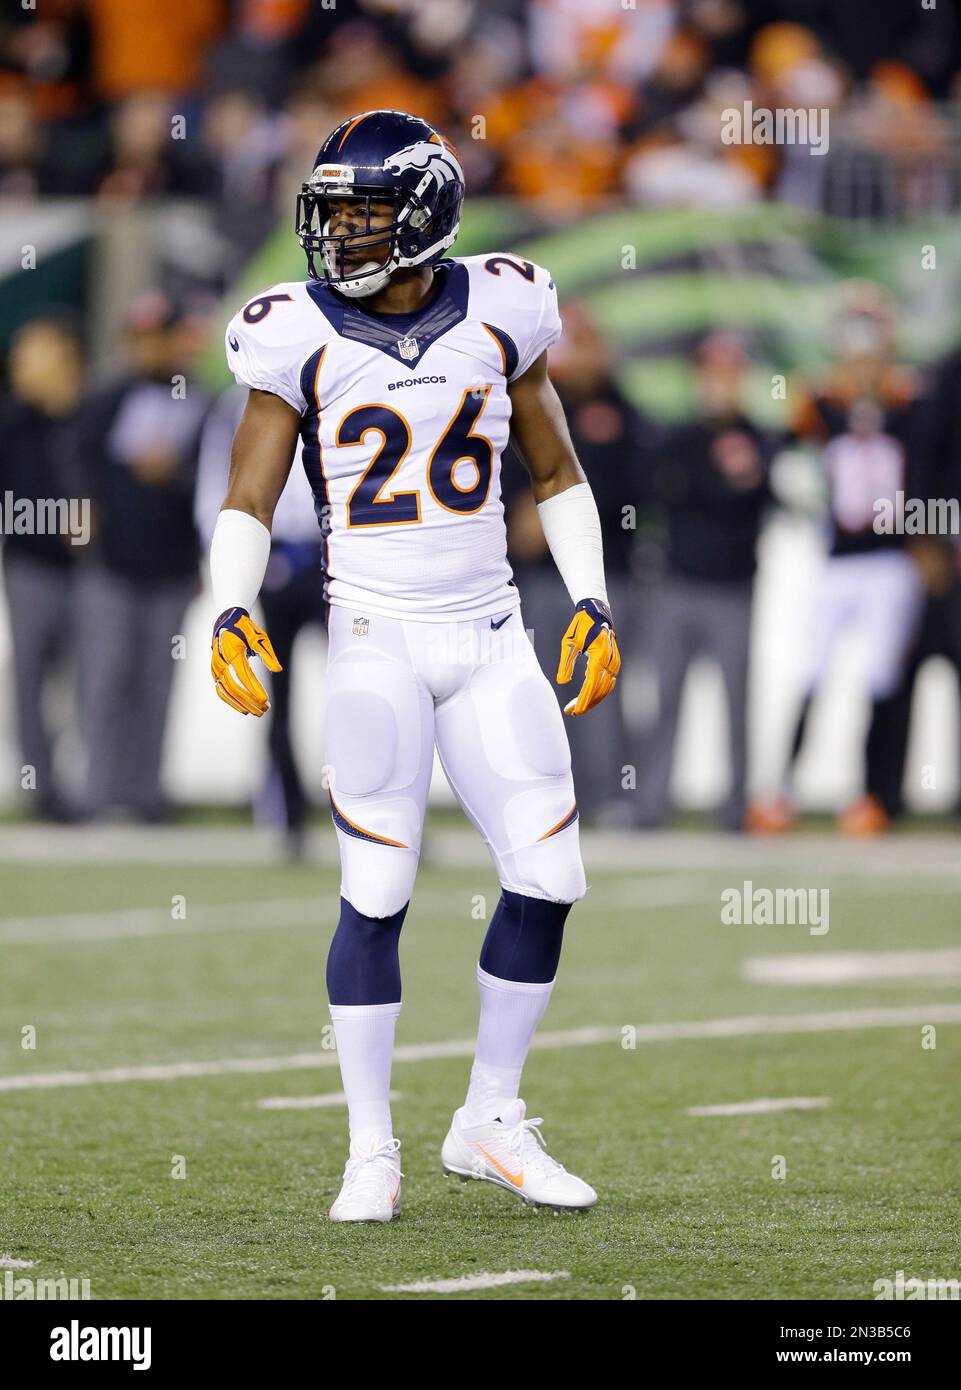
[[380, 157]]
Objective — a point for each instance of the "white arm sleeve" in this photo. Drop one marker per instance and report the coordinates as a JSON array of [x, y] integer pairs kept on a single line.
[[238, 559], [572, 529]]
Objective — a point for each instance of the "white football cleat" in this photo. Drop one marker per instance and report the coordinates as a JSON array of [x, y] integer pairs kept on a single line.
[[371, 1189], [510, 1151]]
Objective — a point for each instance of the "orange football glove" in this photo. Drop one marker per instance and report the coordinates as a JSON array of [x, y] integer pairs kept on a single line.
[[236, 637], [591, 632]]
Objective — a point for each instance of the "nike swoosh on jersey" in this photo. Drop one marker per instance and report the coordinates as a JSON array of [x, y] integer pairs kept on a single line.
[[495, 626], [233, 343]]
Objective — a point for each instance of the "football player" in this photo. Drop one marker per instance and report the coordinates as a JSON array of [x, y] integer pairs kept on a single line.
[[403, 371]]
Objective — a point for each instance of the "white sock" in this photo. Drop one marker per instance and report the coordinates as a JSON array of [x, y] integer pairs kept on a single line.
[[365, 1045], [510, 1011]]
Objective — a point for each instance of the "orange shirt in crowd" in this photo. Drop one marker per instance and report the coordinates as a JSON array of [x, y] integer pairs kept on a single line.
[[271, 21], [151, 44]]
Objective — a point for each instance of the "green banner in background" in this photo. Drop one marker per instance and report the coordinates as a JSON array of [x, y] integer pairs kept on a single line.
[[656, 281]]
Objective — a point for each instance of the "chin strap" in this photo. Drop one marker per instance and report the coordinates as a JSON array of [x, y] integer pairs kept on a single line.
[[361, 288]]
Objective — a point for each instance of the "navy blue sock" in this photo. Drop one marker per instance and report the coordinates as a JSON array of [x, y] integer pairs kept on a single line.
[[363, 963], [523, 941]]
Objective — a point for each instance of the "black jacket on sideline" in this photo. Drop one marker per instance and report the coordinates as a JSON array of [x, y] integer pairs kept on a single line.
[[712, 525], [38, 460], [143, 531]]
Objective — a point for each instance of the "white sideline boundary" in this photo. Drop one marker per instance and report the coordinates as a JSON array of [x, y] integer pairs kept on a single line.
[[328, 1100], [118, 923], [271, 914], [764, 1105], [458, 845], [842, 1020], [482, 1280], [853, 967]]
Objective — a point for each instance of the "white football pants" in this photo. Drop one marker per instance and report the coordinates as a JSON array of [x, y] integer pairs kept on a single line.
[[880, 597], [394, 689]]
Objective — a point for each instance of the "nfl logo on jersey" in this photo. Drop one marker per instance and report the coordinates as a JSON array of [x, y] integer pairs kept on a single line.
[[360, 627], [408, 349]]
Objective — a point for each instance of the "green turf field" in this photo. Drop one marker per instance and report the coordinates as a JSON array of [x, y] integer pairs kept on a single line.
[[688, 1205]]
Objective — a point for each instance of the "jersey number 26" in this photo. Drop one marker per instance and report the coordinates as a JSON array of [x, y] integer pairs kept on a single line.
[[370, 504]]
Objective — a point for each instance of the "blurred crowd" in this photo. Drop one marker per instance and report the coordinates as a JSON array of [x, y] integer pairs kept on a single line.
[[564, 108], [683, 508], [566, 105]]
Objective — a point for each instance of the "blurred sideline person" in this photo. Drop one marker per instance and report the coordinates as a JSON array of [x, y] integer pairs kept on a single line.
[[607, 435], [291, 597], [38, 421], [712, 482], [939, 556], [138, 439], [868, 420]]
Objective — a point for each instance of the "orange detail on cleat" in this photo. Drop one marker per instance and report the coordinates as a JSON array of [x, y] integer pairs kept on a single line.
[[515, 1179]]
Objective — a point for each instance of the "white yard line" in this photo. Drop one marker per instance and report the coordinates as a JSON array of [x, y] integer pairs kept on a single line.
[[157, 921], [843, 1020], [257, 915], [169, 1071], [271, 913], [910, 856], [763, 1106], [467, 1282], [646, 895], [853, 967], [331, 1099]]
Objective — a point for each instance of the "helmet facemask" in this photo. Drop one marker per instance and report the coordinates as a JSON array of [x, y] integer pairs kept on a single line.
[[343, 264]]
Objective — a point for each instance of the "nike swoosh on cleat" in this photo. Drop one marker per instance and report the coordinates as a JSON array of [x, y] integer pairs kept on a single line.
[[495, 626], [515, 1179]]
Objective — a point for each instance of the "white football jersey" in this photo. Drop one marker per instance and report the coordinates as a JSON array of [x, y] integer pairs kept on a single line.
[[404, 420]]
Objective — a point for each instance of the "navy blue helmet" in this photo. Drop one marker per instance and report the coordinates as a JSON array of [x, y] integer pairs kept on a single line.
[[397, 165]]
